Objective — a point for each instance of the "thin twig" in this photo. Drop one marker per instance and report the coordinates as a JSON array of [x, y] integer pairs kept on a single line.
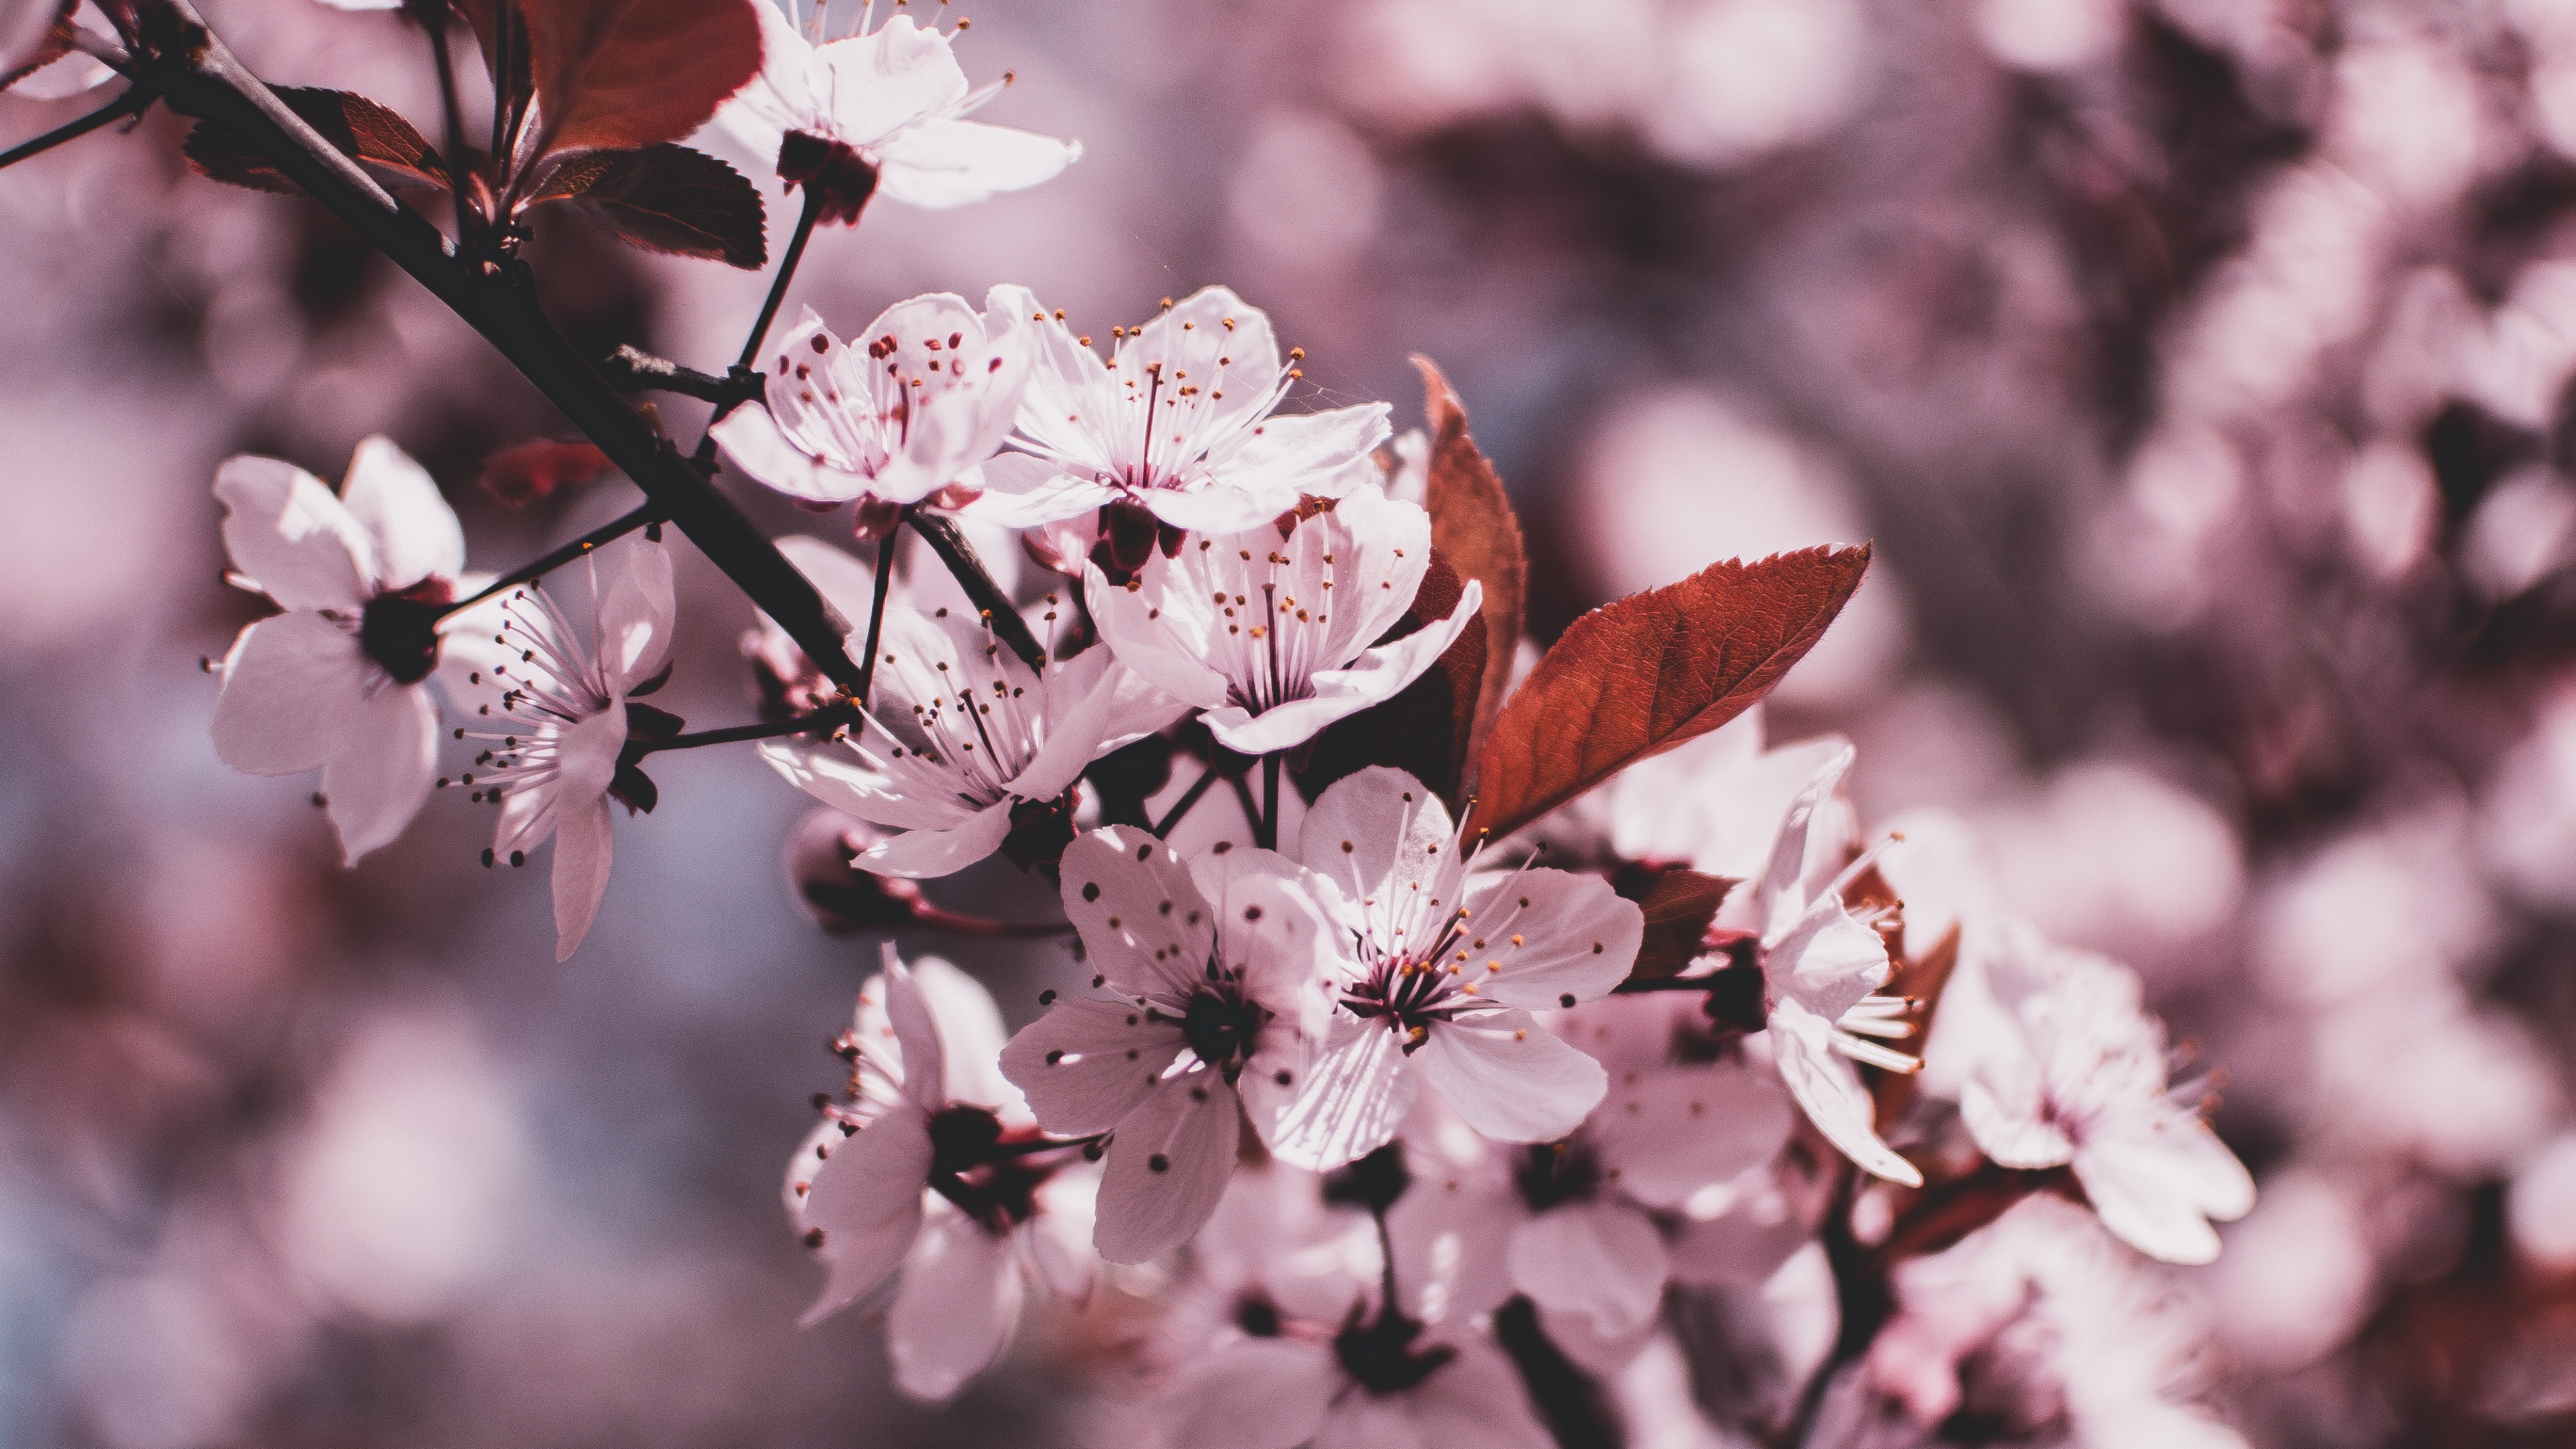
[[131, 103], [632, 369], [948, 541], [786, 272], [1181, 807], [876, 617], [606, 533], [1265, 831], [829, 717]]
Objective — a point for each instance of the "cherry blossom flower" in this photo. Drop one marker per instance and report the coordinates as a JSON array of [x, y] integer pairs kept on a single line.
[[2078, 1078], [1220, 964], [964, 744], [1177, 427], [929, 402], [1438, 972], [556, 718], [339, 681], [1821, 967], [881, 109], [933, 1166], [1275, 635]]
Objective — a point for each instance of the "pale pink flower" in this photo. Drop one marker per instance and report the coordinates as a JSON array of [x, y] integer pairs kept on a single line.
[[554, 718], [1275, 636], [879, 110], [934, 1168], [1219, 964], [1437, 973], [1179, 421], [915, 408], [339, 681], [2076, 1077]]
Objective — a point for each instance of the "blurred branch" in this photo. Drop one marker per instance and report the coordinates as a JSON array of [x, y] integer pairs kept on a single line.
[[201, 78], [134, 102]]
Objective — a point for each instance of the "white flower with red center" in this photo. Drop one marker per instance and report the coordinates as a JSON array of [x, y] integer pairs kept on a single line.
[[338, 681], [2076, 1077], [554, 718], [1178, 422], [1274, 634], [1219, 967], [1822, 965], [914, 409], [963, 743], [1437, 973], [879, 110], [932, 1166]]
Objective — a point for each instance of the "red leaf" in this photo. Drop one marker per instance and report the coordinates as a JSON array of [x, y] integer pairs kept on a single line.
[[1473, 524], [30, 41], [665, 199], [1678, 905], [1423, 730], [1637, 677], [360, 128], [523, 474], [625, 74]]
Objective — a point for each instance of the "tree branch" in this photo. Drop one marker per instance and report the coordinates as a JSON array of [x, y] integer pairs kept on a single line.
[[948, 541], [199, 77]]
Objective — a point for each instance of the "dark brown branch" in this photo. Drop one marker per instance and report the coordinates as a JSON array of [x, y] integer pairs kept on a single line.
[[948, 541], [631, 369], [201, 78], [132, 103]]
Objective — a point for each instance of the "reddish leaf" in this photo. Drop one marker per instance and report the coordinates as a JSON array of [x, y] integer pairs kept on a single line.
[[1472, 523], [665, 199], [624, 74], [29, 41], [521, 475], [1678, 906], [1423, 730], [362, 129], [1637, 677]]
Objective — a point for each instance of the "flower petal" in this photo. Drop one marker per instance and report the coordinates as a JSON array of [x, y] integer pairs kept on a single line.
[[1673, 1132], [1378, 675], [1086, 1064], [861, 1259], [930, 854], [1604, 1259], [1783, 896], [291, 539], [1550, 938], [1357, 1091], [751, 437], [635, 614], [1146, 925], [1374, 834], [1829, 1091], [916, 1035], [1509, 1077], [841, 777], [889, 78], [873, 1176], [293, 687], [1253, 1393], [954, 1314], [2153, 1173], [380, 774], [583, 845], [941, 162], [1826, 962], [1168, 1167], [415, 533]]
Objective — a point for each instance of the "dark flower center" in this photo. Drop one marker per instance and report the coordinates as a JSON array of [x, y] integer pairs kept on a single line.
[[1220, 1026], [984, 1168], [838, 180], [400, 631], [1550, 1173], [1407, 994], [1381, 1356]]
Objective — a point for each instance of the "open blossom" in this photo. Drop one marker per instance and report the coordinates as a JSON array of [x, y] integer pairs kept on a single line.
[[881, 109], [555, 718], [1716, 803], [1275, 635], [928, 402], [1821, 967], [932, 1166], [1178, 422], [1437, 973], [1218, 963], [2077, 1077], [339, 681], [963, 744]]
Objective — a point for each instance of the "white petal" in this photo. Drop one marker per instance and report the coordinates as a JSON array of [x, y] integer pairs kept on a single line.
[[1300, 450], [1672, 1132], [293, 688], [381, 772], [872, 1177], [779, 99], [1075, 1066], [415, 533], [1143, 920], [1358, 1090], [1509, 1077], [925, 1068], [1477, 1398], [1378, 675], [970, 1034], [1742, 1247], [1829, 1091], [1783, 895], [1168, 1167], [1254, 1393], [929, 854], [840, 777], [1129, 624], [944, 163], [1604, 1259], [1828, 961], [2005, 1107], [954, 1314], [635, 615], [583, 842], [1104, 705], [889, 78], [862, 1258], [2152, 1174], [292, 539], [1559, 938], [750, 436], [1376, 832]]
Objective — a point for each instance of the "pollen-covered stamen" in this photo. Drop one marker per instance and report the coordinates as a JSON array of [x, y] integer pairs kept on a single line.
[[1409, 996]]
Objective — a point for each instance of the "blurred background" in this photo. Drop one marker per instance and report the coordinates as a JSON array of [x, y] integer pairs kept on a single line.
[[2201, 368]]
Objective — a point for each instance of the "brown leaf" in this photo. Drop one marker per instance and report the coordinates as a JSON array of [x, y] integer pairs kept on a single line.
[[523, 474], [34, 47], [360, 128], [1472, 523], [665, 199], [1678, 906], [1423, 729], [1637, 677], [625, 74]]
